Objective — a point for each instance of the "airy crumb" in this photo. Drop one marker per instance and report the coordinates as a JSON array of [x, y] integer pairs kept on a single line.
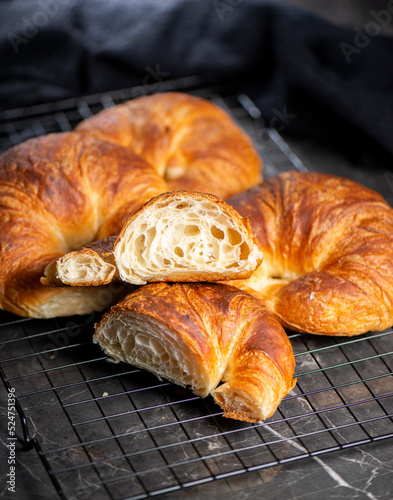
[[104, 394]]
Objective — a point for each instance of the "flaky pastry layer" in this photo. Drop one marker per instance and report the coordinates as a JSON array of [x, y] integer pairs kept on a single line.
[[198, 335], [328, 253], [176, 236], [192, 143], [185, 236], [59, 192]]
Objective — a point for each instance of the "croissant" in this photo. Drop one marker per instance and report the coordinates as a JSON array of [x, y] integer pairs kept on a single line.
[[198, 334], [59, 192], [176, 236], [191, 142], [328, 253], [91, 265]]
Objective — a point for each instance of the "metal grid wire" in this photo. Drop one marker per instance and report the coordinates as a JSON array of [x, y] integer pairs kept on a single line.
[[118, 432]]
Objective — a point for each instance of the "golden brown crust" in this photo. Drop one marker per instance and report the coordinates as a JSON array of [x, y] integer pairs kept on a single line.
[[192, 143], [59, 192], [223, 332], [83, 188], [328, 253]]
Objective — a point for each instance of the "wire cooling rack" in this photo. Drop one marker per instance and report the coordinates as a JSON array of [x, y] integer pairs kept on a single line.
[[111, 431]]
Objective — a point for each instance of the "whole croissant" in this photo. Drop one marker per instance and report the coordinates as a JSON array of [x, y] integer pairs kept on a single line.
[[192, 143], [198, 334], [328, 253], [59, 192], [176, 236]]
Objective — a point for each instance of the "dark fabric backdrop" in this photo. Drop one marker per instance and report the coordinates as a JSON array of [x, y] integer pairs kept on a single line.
[[316, 79]]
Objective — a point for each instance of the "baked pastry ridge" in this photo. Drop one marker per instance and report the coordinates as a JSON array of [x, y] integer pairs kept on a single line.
[[192, 143], [56, 196], [328, 253], [198, 334]]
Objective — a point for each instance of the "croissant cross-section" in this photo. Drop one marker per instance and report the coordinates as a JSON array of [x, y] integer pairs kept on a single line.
[[177, 236], [91, 265], [200, 334], [185, 236]]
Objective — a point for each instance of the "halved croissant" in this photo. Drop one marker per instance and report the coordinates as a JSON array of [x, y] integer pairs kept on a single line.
[[198, 334], [328, 253], [192, 143], [177, 236]]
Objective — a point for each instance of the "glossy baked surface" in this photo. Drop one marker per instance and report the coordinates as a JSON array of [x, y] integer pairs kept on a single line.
[[198, 334], [328, 253]]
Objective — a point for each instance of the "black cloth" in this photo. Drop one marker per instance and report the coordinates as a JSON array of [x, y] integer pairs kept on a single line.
[[308, 76]]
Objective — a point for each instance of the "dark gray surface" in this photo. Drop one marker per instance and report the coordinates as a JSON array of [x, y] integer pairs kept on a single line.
[[362, 472]]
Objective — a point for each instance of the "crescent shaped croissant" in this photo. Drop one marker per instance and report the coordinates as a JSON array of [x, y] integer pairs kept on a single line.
[[198, 334]]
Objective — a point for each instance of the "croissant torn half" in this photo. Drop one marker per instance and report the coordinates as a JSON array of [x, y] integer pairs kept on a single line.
[[91, 265], [177, 236], [185, 236], [198, 334]]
